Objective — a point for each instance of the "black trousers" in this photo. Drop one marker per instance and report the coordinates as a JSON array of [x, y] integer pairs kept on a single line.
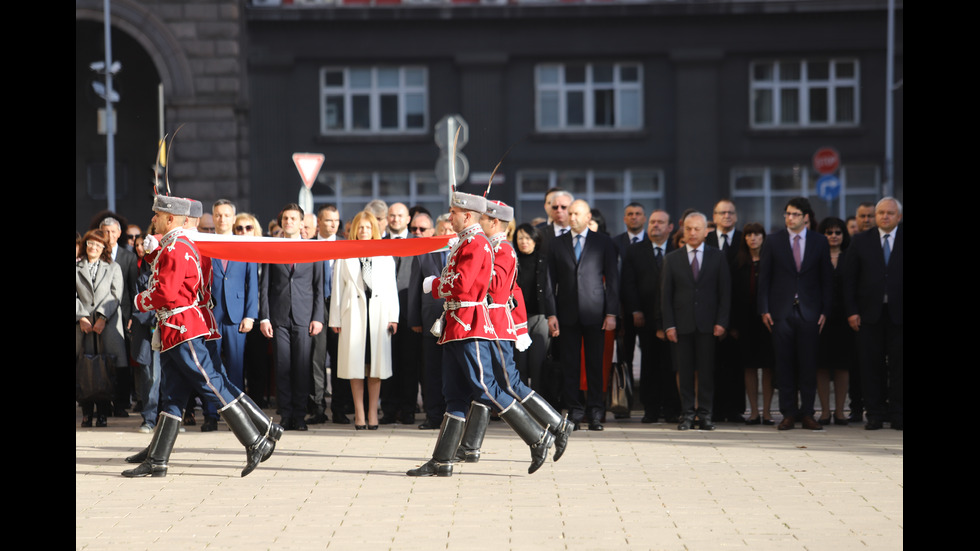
[[794, 343], [695, 353], [881, 365]]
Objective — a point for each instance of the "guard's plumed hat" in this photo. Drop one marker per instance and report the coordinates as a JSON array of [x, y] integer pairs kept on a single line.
[[177, 206], [500, 210], [469, 202]]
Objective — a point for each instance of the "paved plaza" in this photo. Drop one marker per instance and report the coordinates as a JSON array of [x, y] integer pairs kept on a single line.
[[632, 486]]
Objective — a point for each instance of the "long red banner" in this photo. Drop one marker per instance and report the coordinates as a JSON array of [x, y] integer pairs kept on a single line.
[[286, 251]]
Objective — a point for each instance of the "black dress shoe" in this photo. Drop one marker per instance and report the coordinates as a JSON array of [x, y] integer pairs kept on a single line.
[[407, 418], [317, 419], [753, 421], [898, 425], [299, 424], [671, 419], [686, 424], [101, 421], [596, 425], [189, 419], [873, 425], [428, 425], [120, 412], [210, 424], [340, 419], [576, 426], [768, 422], [388, 419], [87, 421]]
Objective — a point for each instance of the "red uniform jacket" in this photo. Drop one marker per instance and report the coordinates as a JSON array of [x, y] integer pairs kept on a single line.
[[173, 291], [464, 283], [507, 312]]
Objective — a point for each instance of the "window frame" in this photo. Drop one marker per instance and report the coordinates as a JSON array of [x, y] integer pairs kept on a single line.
[[805, 87], [588, 88], [375, 92]]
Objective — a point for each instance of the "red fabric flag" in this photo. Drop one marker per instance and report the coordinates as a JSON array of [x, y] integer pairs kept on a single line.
[[273, 250]]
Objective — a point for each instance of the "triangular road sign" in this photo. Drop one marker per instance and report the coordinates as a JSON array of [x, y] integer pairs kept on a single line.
[[308, 165]]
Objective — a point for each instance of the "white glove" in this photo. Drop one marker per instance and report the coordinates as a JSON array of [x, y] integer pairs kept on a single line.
[[150, 243], [427, 284], [452, 242], [523, 341]]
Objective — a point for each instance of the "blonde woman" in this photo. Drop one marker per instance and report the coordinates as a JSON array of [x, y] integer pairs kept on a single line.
[[364, 312]]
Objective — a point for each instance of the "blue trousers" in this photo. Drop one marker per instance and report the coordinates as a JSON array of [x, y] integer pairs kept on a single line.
[[467, 374], [188, 368], [505, 369]]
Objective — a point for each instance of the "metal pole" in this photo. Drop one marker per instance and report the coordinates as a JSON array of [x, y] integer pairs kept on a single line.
[[110, 169], [887, 184]]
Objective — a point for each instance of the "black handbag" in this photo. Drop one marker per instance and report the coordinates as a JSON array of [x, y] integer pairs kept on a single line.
[[620, 389], [95, 373]]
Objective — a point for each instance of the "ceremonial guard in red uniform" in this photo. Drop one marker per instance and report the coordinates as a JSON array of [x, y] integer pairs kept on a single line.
[[174, 292], [509, 318], [466, 334]]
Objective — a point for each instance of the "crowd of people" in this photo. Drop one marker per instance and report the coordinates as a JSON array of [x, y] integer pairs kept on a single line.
[[715, 309]]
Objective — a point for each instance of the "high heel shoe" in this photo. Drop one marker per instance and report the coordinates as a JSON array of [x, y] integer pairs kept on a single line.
[[839, 421], [372, 427], [769, 422], [360, 427], [87, 421], [753, 421]]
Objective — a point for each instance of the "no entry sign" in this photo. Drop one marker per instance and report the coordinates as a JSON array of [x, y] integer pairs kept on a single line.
[[826, 160]]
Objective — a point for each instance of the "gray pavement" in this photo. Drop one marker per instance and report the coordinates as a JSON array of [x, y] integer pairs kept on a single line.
[[632, 486]]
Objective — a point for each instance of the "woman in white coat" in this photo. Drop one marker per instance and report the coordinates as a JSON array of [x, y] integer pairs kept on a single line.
[[98, 292], [364, 311]]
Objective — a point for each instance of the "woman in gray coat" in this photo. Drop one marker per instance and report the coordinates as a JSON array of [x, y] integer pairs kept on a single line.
[[98, 292]]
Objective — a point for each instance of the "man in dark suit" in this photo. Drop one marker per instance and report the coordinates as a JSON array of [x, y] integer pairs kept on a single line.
[[642, 266], [696, 292], [560, 201], [634, 218], [291, 312], [795, 295], [325, 343], [423, 311], [873, 289], [729, 375], [128, 264], [235, 288], [585, 277], [399, 393]]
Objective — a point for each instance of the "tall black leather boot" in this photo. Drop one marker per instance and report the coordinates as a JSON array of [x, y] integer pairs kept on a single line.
[[537, 438], [545, 415], [257, 446], [441, 464], [262, 422], [477, 420], [158, 452]]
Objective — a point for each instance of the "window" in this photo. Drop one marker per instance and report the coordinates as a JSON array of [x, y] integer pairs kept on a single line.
[[589, 96], [760, 193], [801, 93], [373, 100], [350, 191], [608, 190]]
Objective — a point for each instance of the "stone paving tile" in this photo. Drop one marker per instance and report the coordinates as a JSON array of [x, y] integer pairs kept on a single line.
[[632, 486]]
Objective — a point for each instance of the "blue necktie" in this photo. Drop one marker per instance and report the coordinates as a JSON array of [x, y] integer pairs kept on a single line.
[[327, 278], [887, 249], [578, 247]]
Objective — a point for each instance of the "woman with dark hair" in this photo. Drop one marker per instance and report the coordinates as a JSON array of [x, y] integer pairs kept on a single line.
[[754, 341], [532, 277], [836, 353], [598, 222], [98, 295]]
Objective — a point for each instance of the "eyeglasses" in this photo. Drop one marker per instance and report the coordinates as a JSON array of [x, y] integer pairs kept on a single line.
[[204, 229], [94, 244], [792, 214], [559, 207], [132, 236], [414, 229], [244, 228], [833, 232], [725, 212]]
